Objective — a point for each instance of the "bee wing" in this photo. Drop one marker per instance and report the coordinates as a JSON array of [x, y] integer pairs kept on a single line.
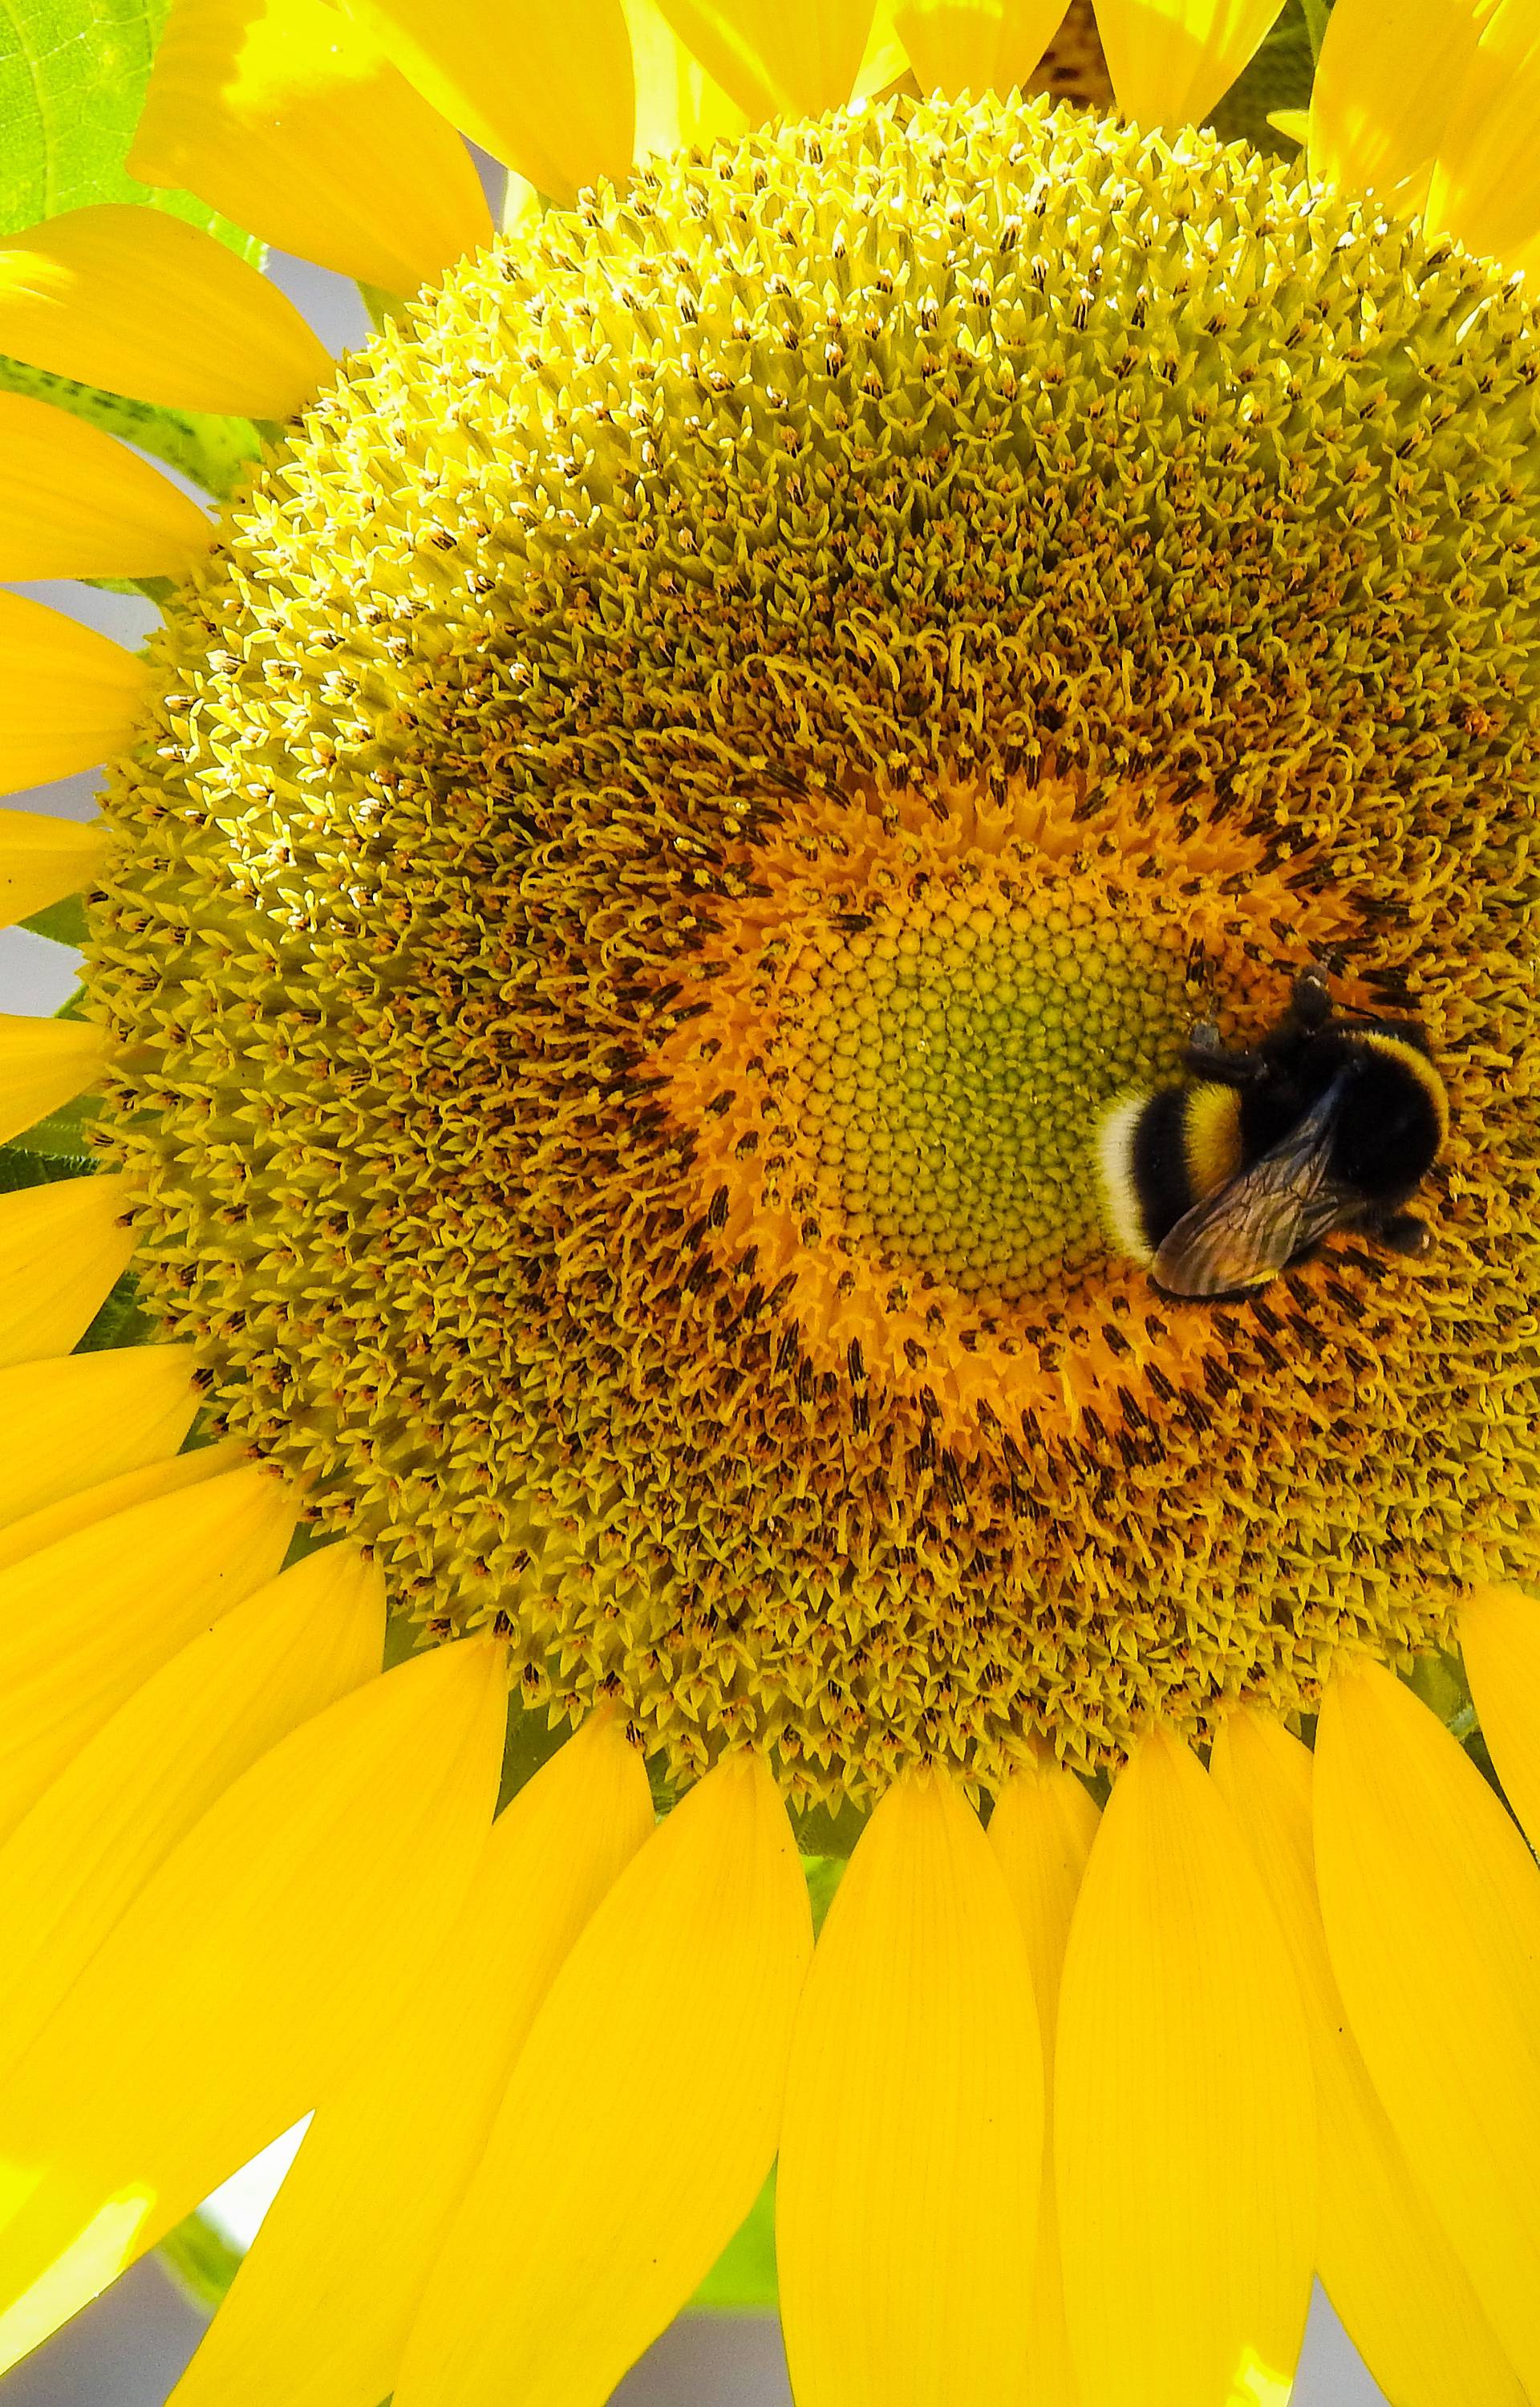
[[1248, 1229]]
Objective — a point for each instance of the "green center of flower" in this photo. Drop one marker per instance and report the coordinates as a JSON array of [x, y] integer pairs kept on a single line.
[[723, 741], [957, 1054]]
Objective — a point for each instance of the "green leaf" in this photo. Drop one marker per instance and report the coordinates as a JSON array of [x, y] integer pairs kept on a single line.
[[822, 1830], [62, 923], [1278, 77], [120, 1321], [200, 2261], [1316, 14], [73, 74], [742, 2279], [216, 452], [1439, 1677], [823, 1874], [21, 1165], [61, 1138], [55, 1148]]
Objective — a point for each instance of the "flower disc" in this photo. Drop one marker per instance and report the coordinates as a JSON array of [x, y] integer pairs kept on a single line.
[[721, 747]]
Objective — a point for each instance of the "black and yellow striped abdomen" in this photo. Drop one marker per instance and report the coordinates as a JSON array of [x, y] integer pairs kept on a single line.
[[1159, 1152]]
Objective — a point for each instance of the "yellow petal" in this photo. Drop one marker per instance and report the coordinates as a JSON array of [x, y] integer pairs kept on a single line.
[[1500, 1639], [285, 114], [72, 1867], [1170, 60], [61, 1247], [283, 1930], [1431, 1906], [84, 1621], [41, 858], [546, 87], [68, 697], [321, 2307], [911, 2155], [1041, 1831], [885, 61], [976, 45], [1486, 181], [43, 1064], [777, 58], [1184, 2124], [72, 1423], [35, 1531], [1388, 2268], [678, 106], [74, 503], [1384, 81], [641, 2119], [141, 302]]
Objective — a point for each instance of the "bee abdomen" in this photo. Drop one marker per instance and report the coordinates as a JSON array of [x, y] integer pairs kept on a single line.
[[1160, 1151]]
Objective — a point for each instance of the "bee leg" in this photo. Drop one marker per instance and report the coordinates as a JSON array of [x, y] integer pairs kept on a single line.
[[1204, 1057], [1403, 1232]]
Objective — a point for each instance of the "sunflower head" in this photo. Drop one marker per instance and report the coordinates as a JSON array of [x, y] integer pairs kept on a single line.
[[724, 740], [698, 778]]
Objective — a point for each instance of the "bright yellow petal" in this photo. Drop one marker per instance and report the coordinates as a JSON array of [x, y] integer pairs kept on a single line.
[[1041, 1831], [61, 1247], [546, 87], [73, 503], [1500, 1639], [30, 1535], [885, 61], [912, 2155], [678, 104], [141, 302], [70, 1424], [43, 1064], [1486, 181], [285, 115], [641, 2119], [322, 2305], [1387, 74], [976, 45], [41, 858], [1170, 60], [233, 1992], [1184, 2123], [1431, 1906], [777, 58], [68, 696], [1389, 2271], [74, 1866], [84, 1621]]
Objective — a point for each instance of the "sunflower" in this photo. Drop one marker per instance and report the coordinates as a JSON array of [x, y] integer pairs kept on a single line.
[[685, 782]]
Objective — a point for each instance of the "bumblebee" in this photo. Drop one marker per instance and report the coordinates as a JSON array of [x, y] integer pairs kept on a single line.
[[1331, 1121]]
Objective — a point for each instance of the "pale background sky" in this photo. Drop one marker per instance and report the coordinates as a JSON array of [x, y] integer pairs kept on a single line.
[[128, 2349]]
